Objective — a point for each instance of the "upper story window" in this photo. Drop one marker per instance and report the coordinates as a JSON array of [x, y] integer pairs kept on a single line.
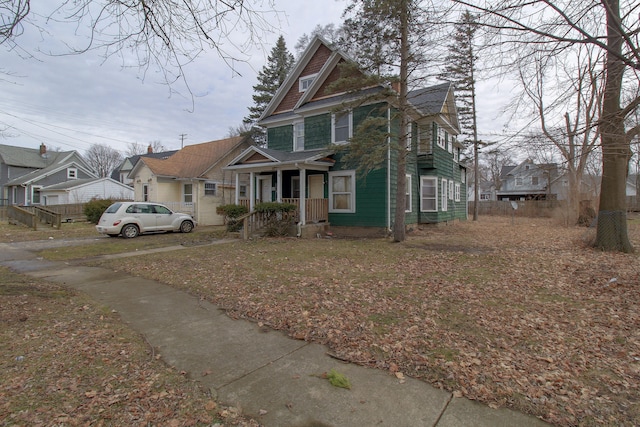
[[305, 82], [424, 143], [72, 173], [341, 127], [409, 133], [298, 136]]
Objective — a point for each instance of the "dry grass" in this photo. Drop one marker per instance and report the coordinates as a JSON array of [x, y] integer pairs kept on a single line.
[[522, 315], [67, 361]]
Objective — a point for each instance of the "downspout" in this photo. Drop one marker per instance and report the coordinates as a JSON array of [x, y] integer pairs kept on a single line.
[[389, 169]]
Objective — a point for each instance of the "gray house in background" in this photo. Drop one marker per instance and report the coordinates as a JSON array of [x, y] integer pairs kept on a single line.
[[25, 171], [530, 181], [121, 173]]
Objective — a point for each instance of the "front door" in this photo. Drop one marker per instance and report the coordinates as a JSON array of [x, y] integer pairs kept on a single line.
[[265, 189], [316, 186]]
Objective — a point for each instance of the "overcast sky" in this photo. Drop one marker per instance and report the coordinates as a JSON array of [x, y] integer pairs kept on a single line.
[[71, 102]]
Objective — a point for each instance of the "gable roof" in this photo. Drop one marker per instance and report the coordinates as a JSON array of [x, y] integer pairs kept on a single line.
[[430, 100], [322, 60], [258, 157], [39, 174], [129, 162], [193, 161], [30, 157]]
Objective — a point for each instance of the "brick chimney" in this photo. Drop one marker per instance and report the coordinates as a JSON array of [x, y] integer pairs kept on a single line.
[[43, 149], [149, 149]]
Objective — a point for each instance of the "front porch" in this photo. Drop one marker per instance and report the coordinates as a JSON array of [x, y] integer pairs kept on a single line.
[[316, 210], [264, 175]]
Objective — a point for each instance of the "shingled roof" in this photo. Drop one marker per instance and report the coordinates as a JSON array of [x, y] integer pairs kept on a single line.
[[193, 161]]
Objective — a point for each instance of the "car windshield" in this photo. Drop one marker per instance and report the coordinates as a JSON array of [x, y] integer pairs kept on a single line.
[[113, 208]]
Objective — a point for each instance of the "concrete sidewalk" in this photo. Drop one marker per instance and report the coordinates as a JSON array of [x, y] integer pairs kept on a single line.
[[272, 378]]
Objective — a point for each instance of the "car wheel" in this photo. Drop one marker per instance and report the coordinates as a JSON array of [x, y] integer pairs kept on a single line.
[[186, 227], [130, 231]]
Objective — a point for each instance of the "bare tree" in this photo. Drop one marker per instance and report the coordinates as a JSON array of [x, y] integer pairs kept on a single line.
[[136, 148], [491, 164], [610, 26], [166, 34], [103, 159], [567, 120]]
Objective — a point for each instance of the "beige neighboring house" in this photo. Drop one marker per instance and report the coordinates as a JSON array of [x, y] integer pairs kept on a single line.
[[191, 180]]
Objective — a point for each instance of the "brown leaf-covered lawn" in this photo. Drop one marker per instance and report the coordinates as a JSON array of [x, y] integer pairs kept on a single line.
[[519, 314], [66, 361]]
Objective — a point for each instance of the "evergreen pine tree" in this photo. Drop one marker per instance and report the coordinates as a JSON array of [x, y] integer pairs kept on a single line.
[[270, 78], [460, 69]]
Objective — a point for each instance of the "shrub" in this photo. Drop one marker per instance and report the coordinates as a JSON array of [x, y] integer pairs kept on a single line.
[[231, 214], [275, 207], [279, 222], [94, 209]]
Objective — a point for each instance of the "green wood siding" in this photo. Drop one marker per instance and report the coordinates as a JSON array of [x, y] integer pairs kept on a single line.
[[371, 201], [280, 138], [317, 131], [440, 164]]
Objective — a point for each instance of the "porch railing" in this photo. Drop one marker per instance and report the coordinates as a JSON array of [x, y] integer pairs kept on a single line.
[[317, 210]]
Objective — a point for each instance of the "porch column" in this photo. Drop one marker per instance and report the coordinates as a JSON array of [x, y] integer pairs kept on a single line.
[[303, 196], [279, 186], [237, 192], [252, 191]]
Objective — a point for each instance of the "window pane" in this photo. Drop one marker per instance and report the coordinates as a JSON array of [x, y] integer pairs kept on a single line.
[[341, 129], [341, 201], [340, 183]]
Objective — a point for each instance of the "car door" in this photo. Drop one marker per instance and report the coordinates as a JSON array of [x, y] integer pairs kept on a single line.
[[144, 216], [163, 217]]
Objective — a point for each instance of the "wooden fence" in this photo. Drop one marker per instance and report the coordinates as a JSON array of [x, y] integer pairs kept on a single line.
[[528, 208]]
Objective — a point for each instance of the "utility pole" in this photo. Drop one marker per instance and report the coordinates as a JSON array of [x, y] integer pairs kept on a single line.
[[182, 137]]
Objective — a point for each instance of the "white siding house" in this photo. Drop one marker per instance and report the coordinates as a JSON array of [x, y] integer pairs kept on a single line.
[[83, 190]]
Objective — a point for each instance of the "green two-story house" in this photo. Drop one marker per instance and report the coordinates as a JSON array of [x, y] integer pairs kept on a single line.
[[308, 118]]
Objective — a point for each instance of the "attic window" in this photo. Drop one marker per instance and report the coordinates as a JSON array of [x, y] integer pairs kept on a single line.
[[306, 81], [72, 173]]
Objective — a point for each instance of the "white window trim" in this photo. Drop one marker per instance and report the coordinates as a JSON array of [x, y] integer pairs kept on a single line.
[[145, 194], [34, 189], [457, 190], [409, 193], [352, 203], [435, 198], [295, 179], [306, 81], [72, 173], [184, 193], [215, 188], [409, 133], [445, 186], [450, 189], [333, 128], [297, 136]]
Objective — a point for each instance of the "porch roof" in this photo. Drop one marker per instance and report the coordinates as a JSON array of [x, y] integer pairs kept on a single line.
[[257, 159]]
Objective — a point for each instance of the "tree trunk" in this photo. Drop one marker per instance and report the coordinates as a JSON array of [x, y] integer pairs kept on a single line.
[[612, 215], [399, 232]]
